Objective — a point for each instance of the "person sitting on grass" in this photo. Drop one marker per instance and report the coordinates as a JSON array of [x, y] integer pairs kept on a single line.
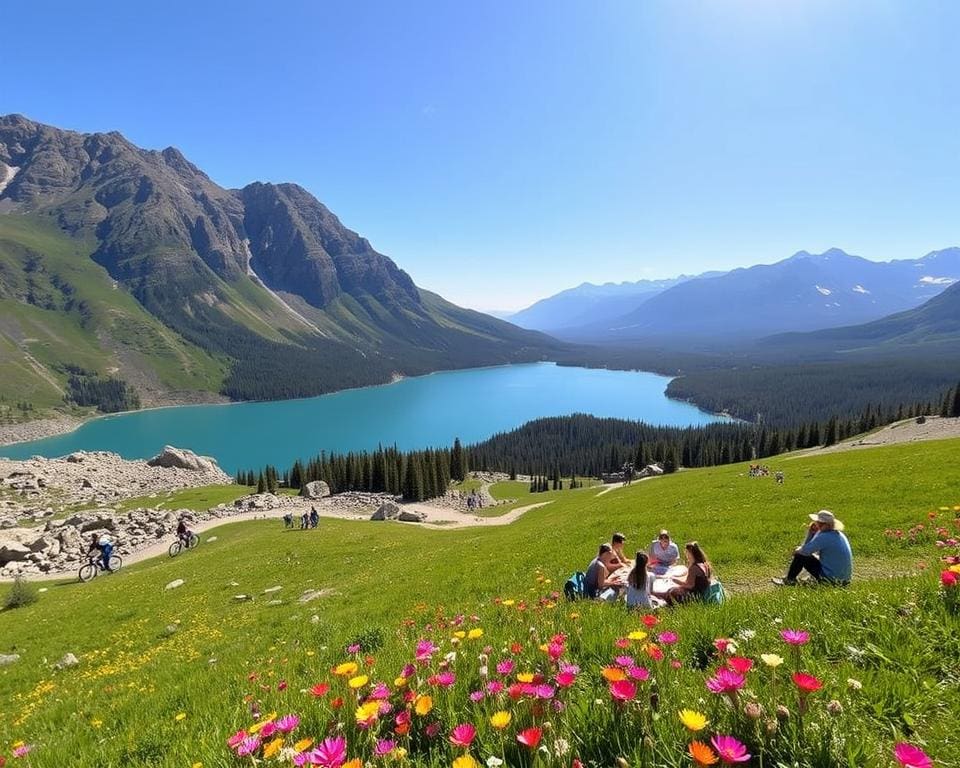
[[639, 583], [663, 554], [825, 554], [597, 583], [617, 559], [696, 584]]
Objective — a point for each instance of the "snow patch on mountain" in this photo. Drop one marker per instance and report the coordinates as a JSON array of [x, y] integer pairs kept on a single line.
[[929, 280], [824, 291], [860, 289], [6, 176]]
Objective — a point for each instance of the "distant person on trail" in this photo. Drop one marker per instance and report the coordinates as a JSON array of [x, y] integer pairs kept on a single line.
[[304, 520], [825, 554], [288, 520], [314, 517], [597, 583], [639, 583], [664, 554], [697, 582]]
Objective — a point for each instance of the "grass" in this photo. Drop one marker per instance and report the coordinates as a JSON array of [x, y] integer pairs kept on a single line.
[[196, 499], [393, 584]]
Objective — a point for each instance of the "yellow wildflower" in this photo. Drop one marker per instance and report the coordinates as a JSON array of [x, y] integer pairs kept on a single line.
[[771, 660], [355, 763], [525, 677], [423, 705], [366, 713], [638, 635], [303, 745], [346, 669], [508, 603], [475, 633], [399, 753], [272, 748], [465, 761], [500, 720], [692, 721], [180, 716], [399, 682], [358, 682], [460, 634]]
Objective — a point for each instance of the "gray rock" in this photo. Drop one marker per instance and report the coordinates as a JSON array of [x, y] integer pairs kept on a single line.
[[317, 489], [86, 483], [174, 584], [275, 602], [9, 658], [13, 552], [410, 516], [242, 598], [77, 457], [170, 629], [271, 590], [211, 539], [181, 458], [313, 594], [389, 510], [68, 660]]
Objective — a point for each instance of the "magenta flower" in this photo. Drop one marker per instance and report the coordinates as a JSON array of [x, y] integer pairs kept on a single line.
[[331, 753], [555, 650], [248, 746], [268, 730], [910, 756], [432, 730], [22, 751], [624, 661], [730, 750], [476, 696], [565, 679], [639, 673], [408, 671], [462, 735], [505, 667], [795, 636], [380, 691], [444, 679], [494, 687], [353, 648], [667, 638], [287, 723], [384, 747], [544, 691], [725, 680], [234, 741], [425, 650], [623, 690]]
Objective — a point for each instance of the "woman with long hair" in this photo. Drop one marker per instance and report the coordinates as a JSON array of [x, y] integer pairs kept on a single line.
[[639, 583], [697, 582]]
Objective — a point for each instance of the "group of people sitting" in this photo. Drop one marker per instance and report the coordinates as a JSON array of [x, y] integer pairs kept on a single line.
[[652, 577], [647, 580]]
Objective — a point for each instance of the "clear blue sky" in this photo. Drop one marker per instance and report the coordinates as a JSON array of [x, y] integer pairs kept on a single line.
[[500, 151]]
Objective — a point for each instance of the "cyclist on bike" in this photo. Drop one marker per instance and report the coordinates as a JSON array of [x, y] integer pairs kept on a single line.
[[103, 544], [183, 533]]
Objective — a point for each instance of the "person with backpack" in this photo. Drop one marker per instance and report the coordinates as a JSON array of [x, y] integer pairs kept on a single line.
[[696, 584]]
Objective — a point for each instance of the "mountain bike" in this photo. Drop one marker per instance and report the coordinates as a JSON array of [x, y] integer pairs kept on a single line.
[[181, 544], [94, 565]]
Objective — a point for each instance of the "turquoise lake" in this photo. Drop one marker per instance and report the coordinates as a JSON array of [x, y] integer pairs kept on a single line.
[[413, 413]]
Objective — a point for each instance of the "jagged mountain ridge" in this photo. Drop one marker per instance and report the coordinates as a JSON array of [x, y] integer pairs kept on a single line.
[[257, 275]]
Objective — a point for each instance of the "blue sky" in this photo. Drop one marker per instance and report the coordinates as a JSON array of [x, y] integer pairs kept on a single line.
[[501, 151]]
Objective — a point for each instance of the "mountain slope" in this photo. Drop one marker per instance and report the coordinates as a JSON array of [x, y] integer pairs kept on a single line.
[[804, 292], [263, 287], [933, 325]]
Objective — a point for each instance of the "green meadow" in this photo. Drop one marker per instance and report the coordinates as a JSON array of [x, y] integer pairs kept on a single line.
[[165, 677]]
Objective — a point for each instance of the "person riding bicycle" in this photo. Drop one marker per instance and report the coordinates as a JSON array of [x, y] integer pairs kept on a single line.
[[183, 533], [102, 543]]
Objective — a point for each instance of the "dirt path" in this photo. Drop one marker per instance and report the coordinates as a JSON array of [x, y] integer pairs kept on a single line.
[[906, 431]]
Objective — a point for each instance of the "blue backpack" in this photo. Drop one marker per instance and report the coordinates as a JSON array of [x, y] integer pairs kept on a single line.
[[573, 589]]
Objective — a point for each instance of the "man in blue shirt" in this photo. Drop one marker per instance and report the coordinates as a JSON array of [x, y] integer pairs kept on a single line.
[[825, 554]]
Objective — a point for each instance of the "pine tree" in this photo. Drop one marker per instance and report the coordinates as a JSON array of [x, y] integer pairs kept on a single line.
[[458, 462], [261, 484], [955, 409]]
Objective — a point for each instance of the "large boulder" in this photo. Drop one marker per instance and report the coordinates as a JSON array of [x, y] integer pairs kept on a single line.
[[181, 458], [13, 552], [389, 510], [315, 490], [411, 516]]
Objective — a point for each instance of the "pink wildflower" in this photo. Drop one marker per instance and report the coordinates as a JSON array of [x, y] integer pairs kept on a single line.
[[462, 735], [910, 756], [730, 750], [623, 690], [795, 636]]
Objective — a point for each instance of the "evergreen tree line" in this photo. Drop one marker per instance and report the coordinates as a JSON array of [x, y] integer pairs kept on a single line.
[[588, 446], [109, 395], [414, 475]]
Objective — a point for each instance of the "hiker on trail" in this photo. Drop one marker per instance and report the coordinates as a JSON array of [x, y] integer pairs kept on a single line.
[[825, 554], [696, 585], [663, 553], [288, 520], [597, 583], [304, 520], [314, 517]]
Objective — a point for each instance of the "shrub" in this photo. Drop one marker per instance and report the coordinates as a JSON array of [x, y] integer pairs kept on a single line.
[[20, 594]]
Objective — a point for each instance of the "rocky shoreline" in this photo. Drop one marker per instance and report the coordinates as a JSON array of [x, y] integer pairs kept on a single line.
[[25, 431]]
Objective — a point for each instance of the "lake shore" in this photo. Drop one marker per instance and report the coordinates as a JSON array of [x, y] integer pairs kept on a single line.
[[27, 431]]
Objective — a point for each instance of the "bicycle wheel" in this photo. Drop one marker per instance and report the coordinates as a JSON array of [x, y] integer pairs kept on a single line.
[[115, 563], [193, 541], [175, 548], [88, 572]]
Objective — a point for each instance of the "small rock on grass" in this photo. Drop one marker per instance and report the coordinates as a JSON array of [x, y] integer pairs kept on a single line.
[[68, 660], [212, 538], [174, 584], [9, 658], [271, 590]]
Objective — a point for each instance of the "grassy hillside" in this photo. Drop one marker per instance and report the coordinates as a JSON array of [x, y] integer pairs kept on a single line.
[[58, 307], [165, 677]]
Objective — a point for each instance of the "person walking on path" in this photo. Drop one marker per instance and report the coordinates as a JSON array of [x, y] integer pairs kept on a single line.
[[825, 554]]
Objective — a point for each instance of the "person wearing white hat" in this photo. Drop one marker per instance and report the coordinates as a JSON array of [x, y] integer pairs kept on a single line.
[[825, 554]]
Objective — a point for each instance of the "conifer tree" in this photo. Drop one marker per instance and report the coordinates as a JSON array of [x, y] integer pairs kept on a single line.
[[261, 484], [458, 462]]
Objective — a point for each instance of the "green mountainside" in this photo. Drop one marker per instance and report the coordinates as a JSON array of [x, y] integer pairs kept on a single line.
[[133, 263]]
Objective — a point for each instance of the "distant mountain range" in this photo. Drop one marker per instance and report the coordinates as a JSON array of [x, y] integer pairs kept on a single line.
[[115, 260], [589, 304], [805, 292]]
